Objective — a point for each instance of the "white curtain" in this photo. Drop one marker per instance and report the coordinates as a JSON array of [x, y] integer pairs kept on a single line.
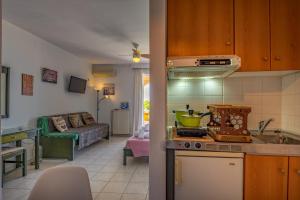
[[138, 102]]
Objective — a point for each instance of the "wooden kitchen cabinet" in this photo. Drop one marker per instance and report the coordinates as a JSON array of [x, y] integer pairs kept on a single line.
[[294, 178], [200, 27], [266, 177], [285, 31], [252, 34]]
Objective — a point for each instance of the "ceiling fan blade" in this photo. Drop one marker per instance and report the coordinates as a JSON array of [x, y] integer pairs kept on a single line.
[[145, 55]]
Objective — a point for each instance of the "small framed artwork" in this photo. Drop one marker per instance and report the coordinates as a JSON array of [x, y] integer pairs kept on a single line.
[[49, 75], [109, 89], [27, 85]]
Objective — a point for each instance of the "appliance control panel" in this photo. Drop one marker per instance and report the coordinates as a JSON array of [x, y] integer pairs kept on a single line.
[[187, 145]]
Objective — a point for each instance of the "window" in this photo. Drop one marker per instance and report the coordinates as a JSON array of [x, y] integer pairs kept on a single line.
[[146, 81]]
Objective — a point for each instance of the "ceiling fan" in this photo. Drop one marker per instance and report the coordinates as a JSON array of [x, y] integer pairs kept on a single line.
[[136, 53]]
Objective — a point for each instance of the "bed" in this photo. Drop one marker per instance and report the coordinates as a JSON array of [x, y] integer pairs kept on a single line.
[[136, 147]]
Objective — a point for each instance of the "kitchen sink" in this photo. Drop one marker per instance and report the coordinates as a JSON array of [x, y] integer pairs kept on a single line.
[[276, 138]]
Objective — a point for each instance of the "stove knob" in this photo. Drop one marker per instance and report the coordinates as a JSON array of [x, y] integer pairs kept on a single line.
[[198, 145], [187, 145]]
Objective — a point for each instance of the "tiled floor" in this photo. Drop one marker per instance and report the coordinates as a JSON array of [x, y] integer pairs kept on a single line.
[[110, 180]]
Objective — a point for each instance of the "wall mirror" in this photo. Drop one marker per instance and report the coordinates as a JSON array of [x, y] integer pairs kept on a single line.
[[4, 92]]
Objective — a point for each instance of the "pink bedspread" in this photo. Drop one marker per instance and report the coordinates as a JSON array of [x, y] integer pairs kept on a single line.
[[139, 147]]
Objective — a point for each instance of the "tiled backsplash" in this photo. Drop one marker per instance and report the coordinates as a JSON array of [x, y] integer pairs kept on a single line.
[[291, 103], [263, 94]]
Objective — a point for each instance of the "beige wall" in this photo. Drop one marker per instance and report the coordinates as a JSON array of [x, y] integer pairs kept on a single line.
[[291, 103]]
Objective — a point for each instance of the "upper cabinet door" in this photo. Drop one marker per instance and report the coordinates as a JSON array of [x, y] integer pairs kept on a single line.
[[265, 177], [200, 27], [285, 34], [252, 34], [294, 178]]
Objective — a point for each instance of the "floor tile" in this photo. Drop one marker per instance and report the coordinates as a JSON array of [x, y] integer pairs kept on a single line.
[[110, 180], [137, 188], [97, 186], [108, 196], [115, 187], [133, 197], [123, 177], [140, 178], [15, 194], [103, 176]]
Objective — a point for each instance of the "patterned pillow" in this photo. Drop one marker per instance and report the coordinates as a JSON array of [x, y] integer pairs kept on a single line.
[[88, 119], [60, 123], [75, 120]]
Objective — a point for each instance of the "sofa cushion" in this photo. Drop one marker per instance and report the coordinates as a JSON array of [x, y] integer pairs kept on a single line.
[[75, 120], [88, 119], [60, 124], [51, 126]]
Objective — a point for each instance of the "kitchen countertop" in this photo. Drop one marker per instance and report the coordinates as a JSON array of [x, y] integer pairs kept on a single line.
[[257, 146]]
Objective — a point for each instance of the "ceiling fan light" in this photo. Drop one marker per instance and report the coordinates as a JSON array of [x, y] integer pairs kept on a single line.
[[136, 59]]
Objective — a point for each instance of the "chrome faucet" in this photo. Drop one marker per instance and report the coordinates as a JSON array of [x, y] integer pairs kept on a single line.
[[262, 125]]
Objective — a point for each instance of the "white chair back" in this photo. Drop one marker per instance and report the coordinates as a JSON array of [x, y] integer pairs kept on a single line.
[[62, 183]]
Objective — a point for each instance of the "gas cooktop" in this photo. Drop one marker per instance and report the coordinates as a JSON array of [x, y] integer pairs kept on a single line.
[[191, 132]]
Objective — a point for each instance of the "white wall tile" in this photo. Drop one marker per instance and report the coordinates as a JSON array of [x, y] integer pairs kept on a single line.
[[271, 86], [195, 87], [213, 87], [262, 94], [253, 120], [288, 84], [252, 99], [276, 123], [232, 87], [252, 85], [291, 103], [233, 99]]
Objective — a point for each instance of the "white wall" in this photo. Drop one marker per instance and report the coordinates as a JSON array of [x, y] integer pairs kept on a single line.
[[124, 81], [263, 94], [291, 103], [26, 53], [158, 97]]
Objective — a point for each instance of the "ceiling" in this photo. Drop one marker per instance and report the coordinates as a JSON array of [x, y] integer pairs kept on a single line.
[[100, 31]]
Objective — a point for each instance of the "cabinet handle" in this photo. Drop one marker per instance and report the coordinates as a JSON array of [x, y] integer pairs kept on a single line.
[[178, 174], [265, 58], [298, 172], [282, 171], [228, 43], [277, 58]]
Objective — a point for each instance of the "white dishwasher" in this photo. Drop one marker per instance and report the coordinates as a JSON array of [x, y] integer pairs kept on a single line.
[[201, 175]]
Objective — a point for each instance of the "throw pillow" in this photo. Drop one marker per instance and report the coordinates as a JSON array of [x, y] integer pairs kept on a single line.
[[60, 124], [88, 119], [75, 120]]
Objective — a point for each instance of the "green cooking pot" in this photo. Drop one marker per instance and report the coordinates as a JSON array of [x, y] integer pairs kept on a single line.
[[179, 113], [190, 120]]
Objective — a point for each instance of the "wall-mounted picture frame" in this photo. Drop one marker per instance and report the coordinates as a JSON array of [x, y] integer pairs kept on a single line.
[[27, 85], [109, 89], [49, 75]]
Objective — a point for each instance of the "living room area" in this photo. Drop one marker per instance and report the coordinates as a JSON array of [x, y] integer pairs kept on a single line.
[[75, 95]]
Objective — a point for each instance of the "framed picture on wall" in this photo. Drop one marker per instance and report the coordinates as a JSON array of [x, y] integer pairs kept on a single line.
[[49, 75], [27, 85], [109, 89]]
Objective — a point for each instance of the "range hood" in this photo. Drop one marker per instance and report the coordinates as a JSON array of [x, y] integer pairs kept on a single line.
[[202, 66]]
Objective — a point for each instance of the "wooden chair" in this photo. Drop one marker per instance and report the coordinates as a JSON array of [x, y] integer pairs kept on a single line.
[[14, 152]]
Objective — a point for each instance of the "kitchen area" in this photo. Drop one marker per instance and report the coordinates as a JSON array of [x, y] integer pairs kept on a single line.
[[233, 100]]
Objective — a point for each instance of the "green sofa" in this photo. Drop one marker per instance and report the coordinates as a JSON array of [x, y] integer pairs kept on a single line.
[[62, 145]]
